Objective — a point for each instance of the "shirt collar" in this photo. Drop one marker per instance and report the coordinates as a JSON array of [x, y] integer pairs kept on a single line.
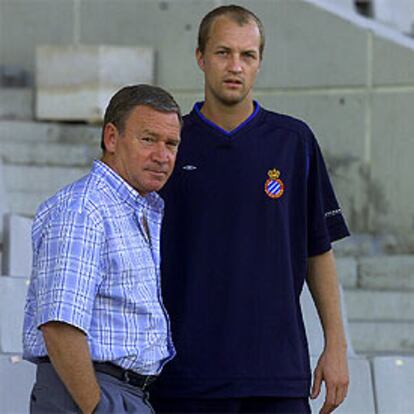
[[121, 189], [197, 109]]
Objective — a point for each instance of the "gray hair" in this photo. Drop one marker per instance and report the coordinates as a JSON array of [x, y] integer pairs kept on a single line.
[[129, 97]]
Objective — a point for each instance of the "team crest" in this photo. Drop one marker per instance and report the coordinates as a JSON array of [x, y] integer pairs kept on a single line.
[[274, 186]]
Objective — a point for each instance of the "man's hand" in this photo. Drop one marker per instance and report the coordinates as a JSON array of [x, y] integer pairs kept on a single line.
[[332, 368]]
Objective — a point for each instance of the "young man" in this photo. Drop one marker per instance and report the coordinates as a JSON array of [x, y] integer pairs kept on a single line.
[[250, 213], [94, 319]]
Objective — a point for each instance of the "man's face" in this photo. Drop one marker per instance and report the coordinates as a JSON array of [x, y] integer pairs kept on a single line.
[[230, 61], [144, 154]]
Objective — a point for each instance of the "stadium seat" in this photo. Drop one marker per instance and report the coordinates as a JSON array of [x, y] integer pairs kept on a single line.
[[17, 247], [16, 381], [4, 204], [394, 384], [12, 299]]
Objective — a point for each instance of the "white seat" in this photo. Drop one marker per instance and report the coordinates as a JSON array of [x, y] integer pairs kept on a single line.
[[17, 245], [346, 4], [394, 384], [12, 300], [4, 203], [360, 398], [396, 13], [16, 381]]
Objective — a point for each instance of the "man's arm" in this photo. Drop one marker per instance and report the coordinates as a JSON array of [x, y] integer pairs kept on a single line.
[[332, 366], [68, 351]]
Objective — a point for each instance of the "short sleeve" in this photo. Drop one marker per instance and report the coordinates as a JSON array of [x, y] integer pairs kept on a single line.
[[67, 269], [326, 223]]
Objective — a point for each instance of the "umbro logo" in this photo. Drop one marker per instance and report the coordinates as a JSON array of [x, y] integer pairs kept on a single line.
[[189, 167]]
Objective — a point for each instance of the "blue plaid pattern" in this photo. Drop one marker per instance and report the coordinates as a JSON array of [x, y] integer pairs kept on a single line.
[[95, 267]]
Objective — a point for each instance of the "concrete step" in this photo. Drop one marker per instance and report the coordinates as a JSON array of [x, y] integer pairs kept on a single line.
[[386, 272], [49, 153], [42, 179], [41, 157], [380, 308], [16, 103], [35, 132], [375, 305], [367, 245], [28, 186], [382, 337], [346, 268]]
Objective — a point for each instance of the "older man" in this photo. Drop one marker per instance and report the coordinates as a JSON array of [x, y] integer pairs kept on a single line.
[[94, 319]]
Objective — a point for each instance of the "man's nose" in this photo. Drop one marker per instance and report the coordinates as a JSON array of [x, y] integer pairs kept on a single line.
[[235, 64], [160, 153]]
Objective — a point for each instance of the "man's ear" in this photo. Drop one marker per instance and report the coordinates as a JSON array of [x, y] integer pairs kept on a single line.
[[200, 59], [110, 136]]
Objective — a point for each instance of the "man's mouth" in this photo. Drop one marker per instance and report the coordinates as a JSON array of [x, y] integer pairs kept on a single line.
[[233, 82], [160, 173]]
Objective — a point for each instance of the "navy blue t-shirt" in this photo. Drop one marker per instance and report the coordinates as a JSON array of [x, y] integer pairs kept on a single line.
[[244, 211]]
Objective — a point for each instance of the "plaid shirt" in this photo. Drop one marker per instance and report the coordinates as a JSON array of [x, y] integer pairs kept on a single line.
[[95, 268]]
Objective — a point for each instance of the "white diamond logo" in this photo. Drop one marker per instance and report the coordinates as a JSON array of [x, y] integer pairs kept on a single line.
[[189, 167]]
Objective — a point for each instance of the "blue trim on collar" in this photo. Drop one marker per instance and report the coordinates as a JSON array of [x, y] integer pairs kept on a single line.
[[197, 109]]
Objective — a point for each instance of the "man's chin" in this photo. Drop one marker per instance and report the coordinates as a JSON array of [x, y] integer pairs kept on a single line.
[[156, 186], [232, 100]]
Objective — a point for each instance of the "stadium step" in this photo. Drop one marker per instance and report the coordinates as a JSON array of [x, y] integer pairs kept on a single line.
[[380, 306], [41, 157], [381, 337], [12, 131], [371, 305], [53, 154], [28, 186], [16, 103]]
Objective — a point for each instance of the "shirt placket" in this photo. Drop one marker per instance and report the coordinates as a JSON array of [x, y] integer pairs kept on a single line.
[[147, 232]]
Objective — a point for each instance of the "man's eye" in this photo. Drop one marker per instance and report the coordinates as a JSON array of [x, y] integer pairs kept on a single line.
[[147, 140], [221, 52]]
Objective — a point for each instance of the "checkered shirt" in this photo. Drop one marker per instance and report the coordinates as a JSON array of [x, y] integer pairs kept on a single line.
[[96, 268]]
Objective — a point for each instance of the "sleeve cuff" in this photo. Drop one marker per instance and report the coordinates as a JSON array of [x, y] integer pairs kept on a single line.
[[66, 315]]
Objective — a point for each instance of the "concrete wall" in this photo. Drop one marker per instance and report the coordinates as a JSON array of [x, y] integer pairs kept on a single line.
[[352, 81]]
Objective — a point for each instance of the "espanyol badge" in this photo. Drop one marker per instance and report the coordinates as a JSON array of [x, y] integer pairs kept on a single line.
[[274, 186]]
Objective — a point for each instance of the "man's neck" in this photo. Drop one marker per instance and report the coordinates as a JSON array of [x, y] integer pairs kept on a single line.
[[227, 117]]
